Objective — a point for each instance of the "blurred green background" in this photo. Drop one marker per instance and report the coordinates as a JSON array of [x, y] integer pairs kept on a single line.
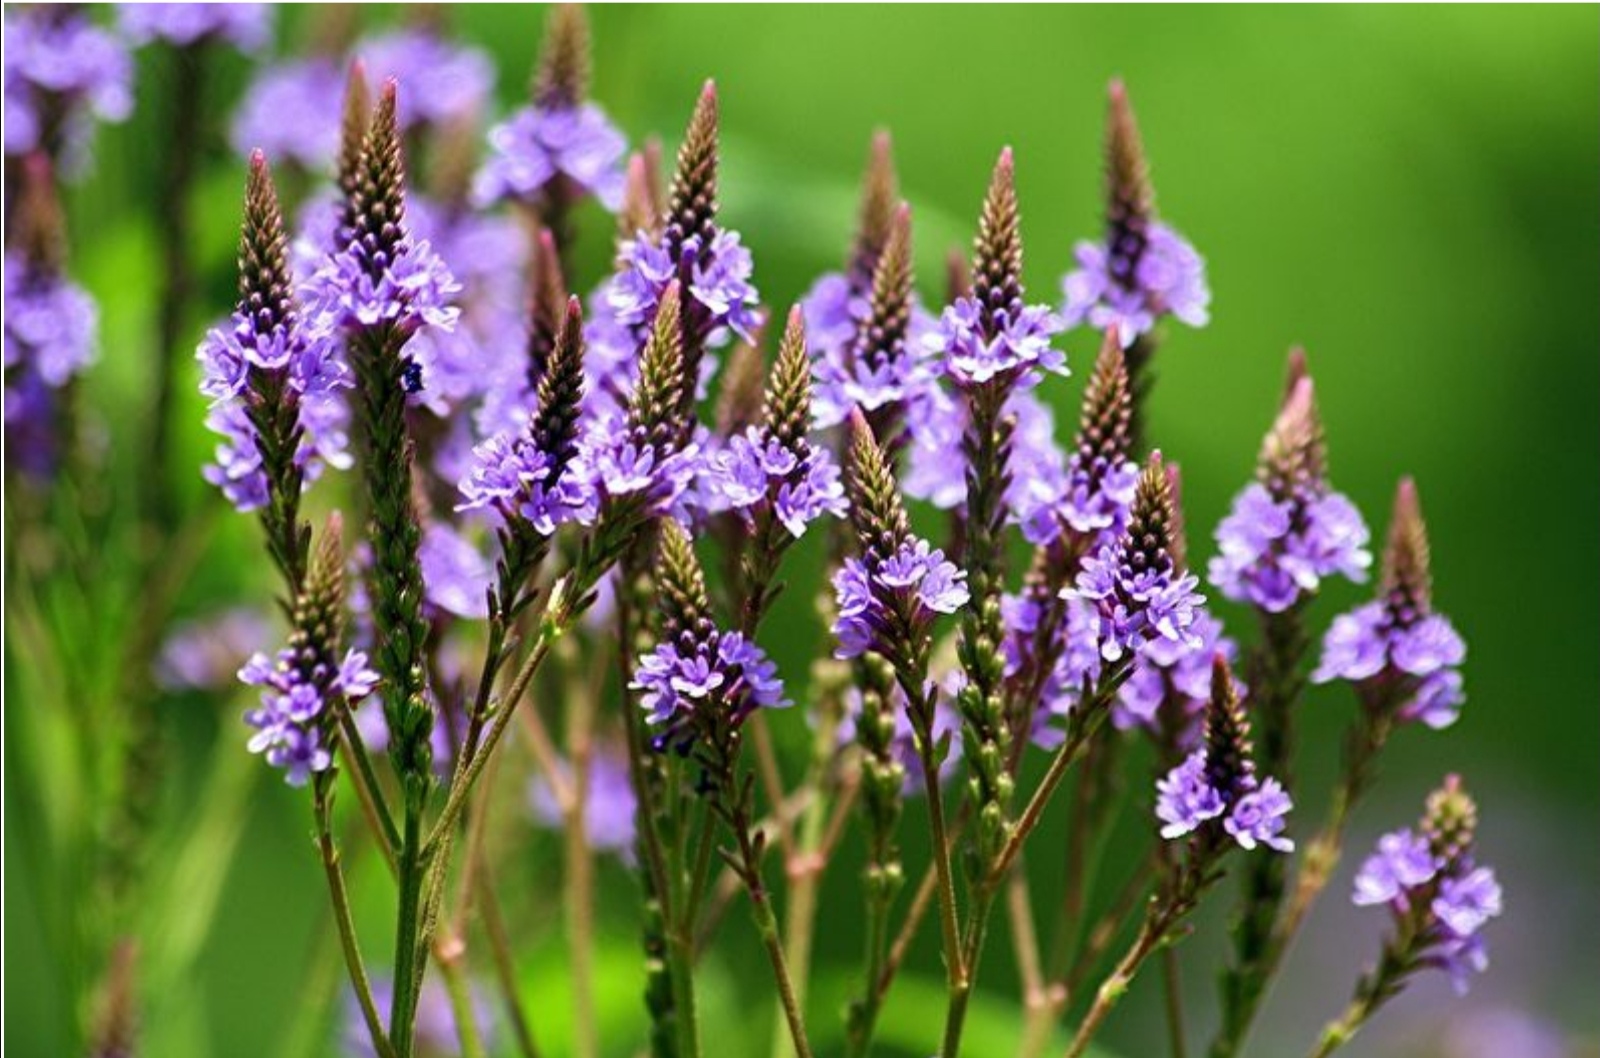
[[1409, 192]]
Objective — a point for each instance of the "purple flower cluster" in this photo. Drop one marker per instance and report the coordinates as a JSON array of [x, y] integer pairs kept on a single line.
[[1274, 552], [882, 600], [621, 462], [717, 278], [835, 314], [308, 363], [1376, 642], [1137, 604], [289, 725], [51, 335], [755, 469], [359, 288], [1252, 813], [1089, 495], [1016, 354], [61, 59], [245, 26], [1069, 650], [1455, 897], [1170, 280], [456, 578], [1174, 675], [512, 476], [1037, 468], [444, 81], [540, 144], [608, 809], [205, 653], [724, 673]]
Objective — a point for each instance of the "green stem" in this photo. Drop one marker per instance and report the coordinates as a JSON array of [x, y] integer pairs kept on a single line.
[[340, 899], [466, 1017], [408, 927]]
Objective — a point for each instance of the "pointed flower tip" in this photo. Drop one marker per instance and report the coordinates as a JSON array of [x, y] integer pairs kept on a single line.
[[1221, 677], [1117, 91], [258, 161], [1407, 506], [1298, 368], [795, 325]]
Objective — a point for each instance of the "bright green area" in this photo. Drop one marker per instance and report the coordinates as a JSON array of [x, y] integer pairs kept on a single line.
[[1408, 192]]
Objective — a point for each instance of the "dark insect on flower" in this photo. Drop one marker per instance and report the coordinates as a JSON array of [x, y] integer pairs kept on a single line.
[[411, 377]]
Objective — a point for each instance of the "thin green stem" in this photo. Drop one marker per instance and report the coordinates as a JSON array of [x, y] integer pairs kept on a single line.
[[339, 897], [466, 1016]]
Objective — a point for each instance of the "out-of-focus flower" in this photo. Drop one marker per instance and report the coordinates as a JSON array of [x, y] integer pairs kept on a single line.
[[245, 26]]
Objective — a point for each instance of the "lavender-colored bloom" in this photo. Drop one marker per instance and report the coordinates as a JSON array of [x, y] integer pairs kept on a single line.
[[1372, 642], [609, 809], [1253, 814], [1071, 653], [1037, 468], [205, 654], [1273, 552], [286, 112], [756, 468], [51, 336], [245, 26], [1403, 862], [456, 577], [513, 477], [910, 587], [619, 462], [1137, 606], [294, 693], [58, 58], [725, 673], [357, 289], [1174, 675], [1170, 281], [718, 279], [1016, 354], [1468, 901], [835, 314], [539, 144], [444, 81], [437, 1035]]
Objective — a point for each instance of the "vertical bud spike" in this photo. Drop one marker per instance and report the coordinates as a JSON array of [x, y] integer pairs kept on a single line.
[[353, 125], [641, 195], [380, 190], [1450, 819], [1228, 750], [876, 510], [1151, 520], [685, 605], [1107, 416], [1178, 548], [319, 612], [880, 190], [454, 158], [1407, 583], [548, 304], [555, 425], [1297, 368], [40, 231], [692, 202], [957, 276], [562, 80], [654, 406], [893, 286], [1130, 201], [997, 255], [786, 407], [265, 283], [739, 400], [1294, 458]]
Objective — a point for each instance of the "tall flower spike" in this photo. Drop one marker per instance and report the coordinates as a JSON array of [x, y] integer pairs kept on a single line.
[[880, 193], [355, 120], [743, 377], [642, 209], [40, 232], [562, 78], [1227, 734], [548, 303], [685, 604], [876, 510], [1406, 581], [657, 399], [786, 404], [1130, 200], [692, 201], [997, 253]]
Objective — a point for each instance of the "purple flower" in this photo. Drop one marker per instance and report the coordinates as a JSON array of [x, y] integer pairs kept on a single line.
[[1071, 654], [1274, 552], [456, 577], [724, 677], [512, 476], [1403, 862], [288, 113], [289, 725], [61, 59], [618, 462], [1373, 643], [1173, 675], [906, 590], [936, 421], [1016, 354], [717, 279], [835, 315], [51, 336], [1467, 902], [359, 289], [755, 469], [1137, 605], [444, 82], [1252, 814], [608, 817], [1170, 280], [205, 654], [539, 144], [245, 26]]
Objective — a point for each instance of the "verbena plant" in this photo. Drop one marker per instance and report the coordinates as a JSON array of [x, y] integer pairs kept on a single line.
[[640, 472]]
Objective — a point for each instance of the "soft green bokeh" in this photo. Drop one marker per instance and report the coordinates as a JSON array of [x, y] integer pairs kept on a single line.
[[1408, 192]]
